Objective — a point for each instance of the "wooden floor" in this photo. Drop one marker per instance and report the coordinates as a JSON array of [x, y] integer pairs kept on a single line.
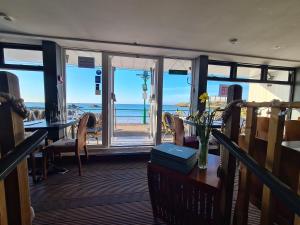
[[111, 191]]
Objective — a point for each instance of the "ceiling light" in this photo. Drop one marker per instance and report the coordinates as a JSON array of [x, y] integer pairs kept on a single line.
[[233, 41], [4, 16], [276, 47]]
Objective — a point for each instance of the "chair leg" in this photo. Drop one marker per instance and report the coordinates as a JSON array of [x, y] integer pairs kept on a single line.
[[86, 153], [45, 162], [33, 168], [79, 163]]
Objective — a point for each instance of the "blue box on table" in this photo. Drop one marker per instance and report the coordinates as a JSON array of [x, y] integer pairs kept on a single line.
[[178, 158]]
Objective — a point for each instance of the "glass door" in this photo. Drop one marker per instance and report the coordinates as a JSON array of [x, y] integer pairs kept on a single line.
[[133, 104]]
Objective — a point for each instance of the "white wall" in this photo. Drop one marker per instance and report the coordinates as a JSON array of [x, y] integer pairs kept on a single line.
[[267, 93]]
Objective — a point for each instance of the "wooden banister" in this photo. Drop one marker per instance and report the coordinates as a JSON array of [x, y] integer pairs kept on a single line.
[[16, 187], [242, 204], [228, 162], [289, 105]]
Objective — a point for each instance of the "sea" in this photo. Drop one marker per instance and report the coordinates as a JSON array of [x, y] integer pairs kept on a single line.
[[124, 113]]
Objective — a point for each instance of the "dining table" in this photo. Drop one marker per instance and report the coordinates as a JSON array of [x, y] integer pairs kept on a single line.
[[55, 132], [55, 129]]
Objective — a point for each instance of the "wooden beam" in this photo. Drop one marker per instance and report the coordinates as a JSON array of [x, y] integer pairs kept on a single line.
[[106, 69], [3, 212], [242, 203], [11, 134], [294, 105], [228, 161], [275, 136], [201, 79]]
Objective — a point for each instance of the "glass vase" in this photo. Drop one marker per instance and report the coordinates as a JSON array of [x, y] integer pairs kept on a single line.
[[203, 154]]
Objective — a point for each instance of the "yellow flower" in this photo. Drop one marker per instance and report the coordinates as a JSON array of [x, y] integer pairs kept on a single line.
[[203, 97]]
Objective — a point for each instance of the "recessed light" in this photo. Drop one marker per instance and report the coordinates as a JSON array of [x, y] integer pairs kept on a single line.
[[6, 17], [233, 41], [276, 47]]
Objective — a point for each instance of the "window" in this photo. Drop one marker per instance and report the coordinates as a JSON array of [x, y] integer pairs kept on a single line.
[[176, 92], [218, 71], [278, 75], [248, 73], [83, 88], [23, 57]]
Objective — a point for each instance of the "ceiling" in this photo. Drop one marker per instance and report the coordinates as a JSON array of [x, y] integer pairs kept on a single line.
[[267, 30]]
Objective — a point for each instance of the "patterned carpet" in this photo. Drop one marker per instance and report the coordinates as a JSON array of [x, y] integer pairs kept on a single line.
[[109, 192]]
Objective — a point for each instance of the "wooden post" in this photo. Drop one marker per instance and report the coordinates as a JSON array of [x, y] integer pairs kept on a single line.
[[242, 203], [275, 136], [228, 161], [297, 218], [3, 213], [11, 134]]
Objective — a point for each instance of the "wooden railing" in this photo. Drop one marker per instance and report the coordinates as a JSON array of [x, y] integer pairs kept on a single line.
[[280, 189], [11, 160], [273, 187]]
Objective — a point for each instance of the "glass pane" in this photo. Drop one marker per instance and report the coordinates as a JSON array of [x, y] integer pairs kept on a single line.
[[218, 71], [23, 57], [267, 93], [176, 94], [218, 97], [278, 75], [83, 90], [248, 73]]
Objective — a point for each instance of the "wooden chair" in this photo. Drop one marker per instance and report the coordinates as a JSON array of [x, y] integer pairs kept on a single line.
[[168, 124], [262, 128], [292, 130], [73, 145], [179, 136], [94, 126]]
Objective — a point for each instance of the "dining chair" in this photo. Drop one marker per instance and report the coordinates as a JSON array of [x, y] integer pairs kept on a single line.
[[72, 145], [292, 130], [168, 124], [94, 126], [179, 135], [262, 128]]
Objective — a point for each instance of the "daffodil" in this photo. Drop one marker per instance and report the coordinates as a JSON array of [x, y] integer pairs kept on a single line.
[[203, 97]]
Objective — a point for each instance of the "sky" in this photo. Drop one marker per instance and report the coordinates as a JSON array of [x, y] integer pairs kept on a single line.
[[80, 84]]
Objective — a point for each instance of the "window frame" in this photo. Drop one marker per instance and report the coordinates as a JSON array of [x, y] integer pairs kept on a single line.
[[4, 65]]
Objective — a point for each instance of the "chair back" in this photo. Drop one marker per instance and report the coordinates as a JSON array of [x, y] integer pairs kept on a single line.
[[168, 120], [92, 121], [179, 131], [262, 128], [292, 130], [81, 131], [37, 114]]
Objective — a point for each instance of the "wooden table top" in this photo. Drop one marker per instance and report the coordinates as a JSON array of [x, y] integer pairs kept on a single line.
[[42, 124], [293, 145], [216, 124], [208, 177]]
